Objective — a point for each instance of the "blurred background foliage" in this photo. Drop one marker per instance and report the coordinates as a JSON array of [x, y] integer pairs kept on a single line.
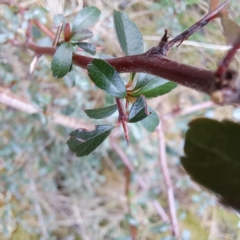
[[48, 193]]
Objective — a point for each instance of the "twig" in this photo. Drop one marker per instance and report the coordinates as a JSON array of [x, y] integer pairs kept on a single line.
[[196, 78], [227, 59], [194, 44], [190, 109], [161, 212], [197, 26], [11, 100], [168, 182], [42, 27]]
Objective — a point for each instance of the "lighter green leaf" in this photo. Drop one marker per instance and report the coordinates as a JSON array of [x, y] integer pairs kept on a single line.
[[106, 78], [80, 36], [138, 110], [83, 142], [62, 60], [143, 79], [85, 18], [151, 121], [156, 87], [101, 112], [129, 36]]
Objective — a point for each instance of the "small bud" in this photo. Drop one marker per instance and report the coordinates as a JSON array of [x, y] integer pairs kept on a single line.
[[67, 32]]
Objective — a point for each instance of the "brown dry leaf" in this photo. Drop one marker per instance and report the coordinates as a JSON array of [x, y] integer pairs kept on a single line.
[[231, 29]]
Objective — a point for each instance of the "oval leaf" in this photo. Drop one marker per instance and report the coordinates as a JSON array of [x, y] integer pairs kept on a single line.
[[156, 87], [128, 34], [62, 60], [80, 36], [83, 142], [85, 18], [213, 157], [151, 121], [143, 79], [87, 47], [101, 112], [106, 78], [138, 110]]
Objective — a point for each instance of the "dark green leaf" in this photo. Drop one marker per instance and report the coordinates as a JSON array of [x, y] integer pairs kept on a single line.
[[62, 60], [143, 79], [101, 112], [83, 142], [129, 36], [156, 87], [138, 110], [106, 78], [87, 47], [85, 18], [213, 157], [58, 19], [80, 36], [151, 121]]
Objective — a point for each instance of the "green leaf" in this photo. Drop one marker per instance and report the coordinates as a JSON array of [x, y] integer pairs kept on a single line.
[[83, 142], [129, 36], [101, 112], [85, 18], [138, 110], [58, 19], [62, 60], [151, 121], [156, 87], [106, 78], [212, 157], [143, 79], [87, 47], [80, 36]]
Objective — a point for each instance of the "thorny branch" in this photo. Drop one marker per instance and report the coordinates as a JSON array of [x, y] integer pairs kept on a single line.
[[154, 61]]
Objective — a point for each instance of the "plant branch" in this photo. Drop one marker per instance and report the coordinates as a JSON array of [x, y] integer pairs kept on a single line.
[[197, 26], [168, 182], [154, 62], [221, 71], [42, 27], [186, 75]]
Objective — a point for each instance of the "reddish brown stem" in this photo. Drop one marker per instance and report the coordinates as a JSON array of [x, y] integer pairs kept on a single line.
[[186, 75], [44, 28], [122, 119], [223, 67], [196, 78], [197, 26]]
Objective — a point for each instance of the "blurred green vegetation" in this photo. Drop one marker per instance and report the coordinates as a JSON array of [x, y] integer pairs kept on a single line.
[[48, 193]]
